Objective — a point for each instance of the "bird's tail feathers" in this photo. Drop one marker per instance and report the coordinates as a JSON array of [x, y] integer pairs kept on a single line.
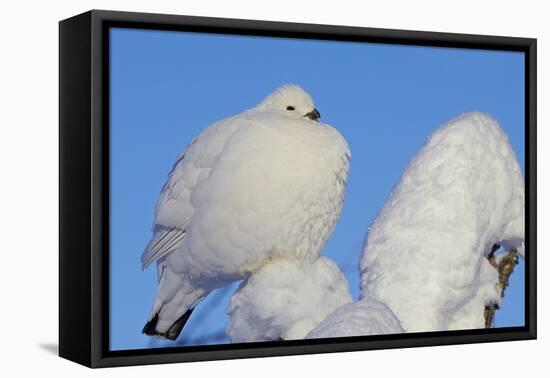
[[172, 333], [175, 300]]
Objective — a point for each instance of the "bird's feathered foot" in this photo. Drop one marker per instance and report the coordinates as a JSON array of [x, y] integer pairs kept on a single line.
[[173, 332]]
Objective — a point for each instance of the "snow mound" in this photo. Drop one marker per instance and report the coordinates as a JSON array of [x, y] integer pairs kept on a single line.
[[285, 299], [363, 318], [425, 253]]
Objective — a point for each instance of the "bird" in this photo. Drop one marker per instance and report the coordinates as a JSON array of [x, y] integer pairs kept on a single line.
[[268, 182]]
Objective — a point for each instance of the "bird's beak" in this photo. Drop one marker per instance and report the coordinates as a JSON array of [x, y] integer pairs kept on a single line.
[[314, 115]]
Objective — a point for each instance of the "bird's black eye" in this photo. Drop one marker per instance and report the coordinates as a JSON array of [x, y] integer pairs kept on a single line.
[[290, 108]]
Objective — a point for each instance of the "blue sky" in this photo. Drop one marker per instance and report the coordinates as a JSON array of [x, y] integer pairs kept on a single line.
[[385, 99]]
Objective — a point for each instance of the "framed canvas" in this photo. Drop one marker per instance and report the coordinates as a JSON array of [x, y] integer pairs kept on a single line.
[[235, 188]]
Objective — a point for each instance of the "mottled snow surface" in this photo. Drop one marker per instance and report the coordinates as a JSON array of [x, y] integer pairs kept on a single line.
[[425, 253], [285, 299], [363, 318]]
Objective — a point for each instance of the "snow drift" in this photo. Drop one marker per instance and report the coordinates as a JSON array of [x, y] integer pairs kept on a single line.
[[425, 253], [363, 318], [285, 299]]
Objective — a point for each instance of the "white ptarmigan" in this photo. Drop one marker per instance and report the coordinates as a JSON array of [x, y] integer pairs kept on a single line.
[[266, 183]]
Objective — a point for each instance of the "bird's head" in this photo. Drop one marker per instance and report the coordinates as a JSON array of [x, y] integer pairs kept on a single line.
[[290, 101]]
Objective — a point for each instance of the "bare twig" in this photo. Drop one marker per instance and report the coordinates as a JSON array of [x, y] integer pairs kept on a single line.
[[505, 267]]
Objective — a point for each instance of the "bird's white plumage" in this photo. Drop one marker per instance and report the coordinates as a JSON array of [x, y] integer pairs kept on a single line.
[[267, 182], [174, 210]]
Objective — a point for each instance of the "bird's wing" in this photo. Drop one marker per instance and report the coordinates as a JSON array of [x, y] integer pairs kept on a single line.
[[174, 210]]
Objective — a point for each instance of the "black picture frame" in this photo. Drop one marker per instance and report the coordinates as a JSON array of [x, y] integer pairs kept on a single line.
[[84, 187]]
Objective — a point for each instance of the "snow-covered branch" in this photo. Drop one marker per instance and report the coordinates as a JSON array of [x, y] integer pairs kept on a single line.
[[285, 299], [363, 318], [425, 255]]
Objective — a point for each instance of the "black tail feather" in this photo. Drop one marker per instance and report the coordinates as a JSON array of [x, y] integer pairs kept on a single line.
[[173, 332], [149, 328]]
